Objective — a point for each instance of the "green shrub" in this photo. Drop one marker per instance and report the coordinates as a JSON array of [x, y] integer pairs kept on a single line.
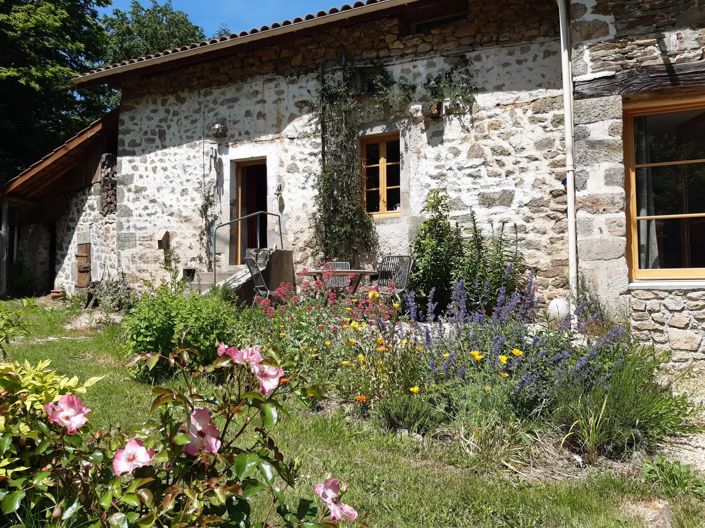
[[673, 479], [202, 460], [627, 410], [12, 326], [167, 319], [437, 250], [413, 413]]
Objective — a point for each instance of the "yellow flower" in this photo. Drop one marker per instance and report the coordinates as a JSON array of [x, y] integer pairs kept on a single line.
[[381, 349], [446, 355], [504, 375], [355, 324], [517, 352], [328, 343], [345, 363], [313, 356], [361, 358], [476, 355], [414, 390], [380, 341], [404, 342], [488, 389], [419, 348], [503, 360], [396, 305], [374, 294], [380, 362], [348, 309], [345, 327], [351, 341], [283, 334], [315, 350]]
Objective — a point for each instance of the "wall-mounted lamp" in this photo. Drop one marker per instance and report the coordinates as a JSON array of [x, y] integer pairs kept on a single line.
[[219, 131]]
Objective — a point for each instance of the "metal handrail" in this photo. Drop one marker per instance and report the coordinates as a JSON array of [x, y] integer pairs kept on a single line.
[[237, 221]]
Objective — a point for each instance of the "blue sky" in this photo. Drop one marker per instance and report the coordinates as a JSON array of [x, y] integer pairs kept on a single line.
[[239, 15]]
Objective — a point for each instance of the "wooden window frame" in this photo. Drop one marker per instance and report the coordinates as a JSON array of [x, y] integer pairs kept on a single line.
[[632, 110], [382, 139]]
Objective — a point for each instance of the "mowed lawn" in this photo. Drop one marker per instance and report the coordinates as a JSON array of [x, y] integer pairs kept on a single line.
[[399, 482]]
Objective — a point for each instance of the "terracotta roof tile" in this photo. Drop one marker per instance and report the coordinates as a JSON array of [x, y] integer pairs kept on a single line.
[[235, 36]]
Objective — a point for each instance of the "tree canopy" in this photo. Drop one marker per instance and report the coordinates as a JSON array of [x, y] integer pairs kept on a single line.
[[47, 43], [141, 30], [44, 44]]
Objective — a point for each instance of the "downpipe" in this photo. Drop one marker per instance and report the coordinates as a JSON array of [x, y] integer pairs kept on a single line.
[[567, 68]]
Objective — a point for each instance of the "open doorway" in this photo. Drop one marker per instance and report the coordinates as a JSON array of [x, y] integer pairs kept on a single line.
[[250, 197]]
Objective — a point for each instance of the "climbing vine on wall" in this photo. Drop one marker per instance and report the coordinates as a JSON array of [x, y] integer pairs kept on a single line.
[[350, 98], [354, 96]]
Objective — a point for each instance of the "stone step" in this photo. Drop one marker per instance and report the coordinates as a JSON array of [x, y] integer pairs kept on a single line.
[[235, 277]]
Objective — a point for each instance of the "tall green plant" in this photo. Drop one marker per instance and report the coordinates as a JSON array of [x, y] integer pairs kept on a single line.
[[491, 264], [437, 251]]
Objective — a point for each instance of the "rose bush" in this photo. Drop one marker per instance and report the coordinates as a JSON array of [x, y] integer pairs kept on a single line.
[[202, 462]]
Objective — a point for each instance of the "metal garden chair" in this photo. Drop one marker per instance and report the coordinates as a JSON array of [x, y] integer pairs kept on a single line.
[[258, 281], [337, 282], [394, 274]]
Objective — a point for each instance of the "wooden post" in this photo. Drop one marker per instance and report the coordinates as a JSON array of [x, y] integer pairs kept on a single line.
[[4, 245]]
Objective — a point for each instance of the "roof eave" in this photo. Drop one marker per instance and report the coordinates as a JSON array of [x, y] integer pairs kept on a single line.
[[103, 76]]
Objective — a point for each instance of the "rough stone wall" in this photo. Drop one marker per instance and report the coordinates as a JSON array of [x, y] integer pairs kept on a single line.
[[491, 23], [83, 223], [600, 197], [671, 320], [505, 159], [614, 35]]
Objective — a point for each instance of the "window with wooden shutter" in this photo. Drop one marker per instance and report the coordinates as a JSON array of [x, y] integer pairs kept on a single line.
[[83, 265]]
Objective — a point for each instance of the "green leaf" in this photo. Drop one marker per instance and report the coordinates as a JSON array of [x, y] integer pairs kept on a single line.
[[71, 511], [160, 458], [131, 499], [251, 487], [152, 361], [106, 500], [11, 502], [181, 439], [270, 415], [74, 440], [246, 464], [118, 520], [267, 472], [253, 396], [146, 496]]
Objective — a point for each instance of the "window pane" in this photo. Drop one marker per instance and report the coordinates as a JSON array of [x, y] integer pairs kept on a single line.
[[393, 151], [372, 180], [372, 154], [372, 204], [678, 189], [673, 136], [393, 176], [672, 244], [393, 199]]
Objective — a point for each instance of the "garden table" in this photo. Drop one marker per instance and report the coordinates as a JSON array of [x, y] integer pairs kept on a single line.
[[355, 274]]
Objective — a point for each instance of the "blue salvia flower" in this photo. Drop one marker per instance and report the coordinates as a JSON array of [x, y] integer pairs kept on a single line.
[[431, 307], [413, 308]]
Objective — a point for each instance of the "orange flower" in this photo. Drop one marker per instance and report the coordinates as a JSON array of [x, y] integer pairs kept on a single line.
[[361, 399], [380, 341], [283, 381]]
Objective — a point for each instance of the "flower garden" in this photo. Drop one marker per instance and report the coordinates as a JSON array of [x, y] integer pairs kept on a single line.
[[318, 408]]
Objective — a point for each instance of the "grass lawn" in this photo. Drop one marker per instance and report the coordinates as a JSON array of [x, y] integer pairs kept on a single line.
[[400, 482]]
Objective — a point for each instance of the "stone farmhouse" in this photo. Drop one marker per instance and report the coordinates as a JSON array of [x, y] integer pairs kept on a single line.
[[587, 131]]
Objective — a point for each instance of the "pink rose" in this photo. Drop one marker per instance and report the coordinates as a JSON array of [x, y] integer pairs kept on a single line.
[[68, 412], [222, 349], [132, 457], [268, 377], [329, 492], [203, 435], [249, 356]]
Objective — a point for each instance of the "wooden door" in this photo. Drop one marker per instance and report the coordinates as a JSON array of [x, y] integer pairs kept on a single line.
[[83, 265]]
